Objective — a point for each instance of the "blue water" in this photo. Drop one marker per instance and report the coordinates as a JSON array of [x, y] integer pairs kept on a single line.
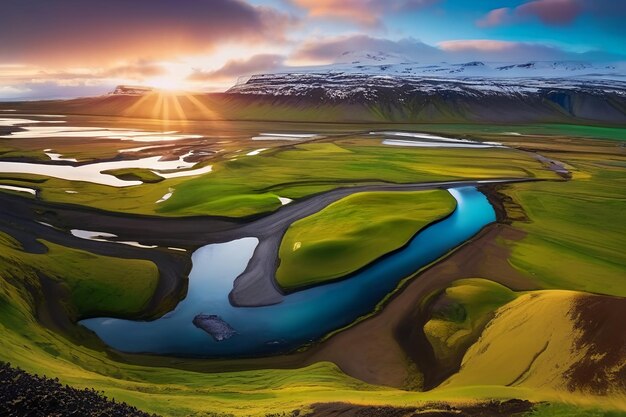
[[302, 317]]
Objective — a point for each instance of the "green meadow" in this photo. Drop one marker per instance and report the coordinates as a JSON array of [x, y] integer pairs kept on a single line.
[[354, 231], [242, 185], [575, 230], [95, 284], [572, 236]]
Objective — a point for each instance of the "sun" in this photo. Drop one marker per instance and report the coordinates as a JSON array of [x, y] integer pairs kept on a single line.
[[169, 82]]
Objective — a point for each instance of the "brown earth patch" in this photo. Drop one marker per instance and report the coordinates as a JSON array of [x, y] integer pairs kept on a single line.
[[486, 257], [507, 210], [375, 350], [385, 348], [602, 325]]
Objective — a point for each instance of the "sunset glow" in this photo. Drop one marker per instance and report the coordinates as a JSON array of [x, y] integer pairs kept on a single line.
[[144, 43], [170, 82]]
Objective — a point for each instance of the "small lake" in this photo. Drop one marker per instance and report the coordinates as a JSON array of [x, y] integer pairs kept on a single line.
[[302, 317]]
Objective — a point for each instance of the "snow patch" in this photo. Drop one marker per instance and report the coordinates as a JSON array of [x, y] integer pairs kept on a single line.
[[166, 196], [103, 237], [91, 235], [93, 172], [423, 144], [57, 156], [286, 136], [256, 152], [284, 200], [20, 189], [426, 136], [178, 249], [31, 132]]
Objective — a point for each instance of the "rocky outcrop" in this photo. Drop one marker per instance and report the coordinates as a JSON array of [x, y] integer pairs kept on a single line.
[[131, 90], [215, 326], [24, 394]]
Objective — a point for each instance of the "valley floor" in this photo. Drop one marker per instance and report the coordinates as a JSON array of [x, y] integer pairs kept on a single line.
[[528, 312]]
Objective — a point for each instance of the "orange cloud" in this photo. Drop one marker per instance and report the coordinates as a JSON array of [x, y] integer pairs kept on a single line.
[[505, 51], [495, 17], [240, 67], [367, 12], [483, 45], [552, 12]]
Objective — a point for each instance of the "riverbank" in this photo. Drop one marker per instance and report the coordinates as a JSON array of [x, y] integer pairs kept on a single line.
[[256, 286], [385, 359], [261, 224]]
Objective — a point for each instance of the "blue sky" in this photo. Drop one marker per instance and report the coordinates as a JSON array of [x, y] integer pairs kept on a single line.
[[91, 45]]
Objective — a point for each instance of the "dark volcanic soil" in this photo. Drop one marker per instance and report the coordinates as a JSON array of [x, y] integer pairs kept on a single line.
[[23, 394], [488, 409]]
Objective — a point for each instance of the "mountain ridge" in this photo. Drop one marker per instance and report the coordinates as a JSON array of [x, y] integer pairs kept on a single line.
[[532, 92]]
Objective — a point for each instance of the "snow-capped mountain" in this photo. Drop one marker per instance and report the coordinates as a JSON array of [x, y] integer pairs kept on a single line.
[[399, 89], [356, 73], [344, 85], [385, 63], [358, 57]]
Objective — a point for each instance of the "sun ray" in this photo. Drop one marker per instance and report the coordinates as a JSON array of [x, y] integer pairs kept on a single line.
[[178, 108], [165, 107], [157, 107], [203, 108], [136, 107]]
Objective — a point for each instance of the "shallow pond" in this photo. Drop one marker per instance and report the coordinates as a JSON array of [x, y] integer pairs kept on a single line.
[[302, 317], [93, 172]]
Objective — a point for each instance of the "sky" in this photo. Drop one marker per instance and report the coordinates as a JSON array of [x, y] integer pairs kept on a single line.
[[72, 48]]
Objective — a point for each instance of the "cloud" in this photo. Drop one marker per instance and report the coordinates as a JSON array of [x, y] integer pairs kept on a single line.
[[328, 50], [365, 12], [42, 90], [137, 70], [484, 49], [92, 32], [334, 49], [41, 82], [495, 17], [492, 50], [551, 12], [237, 68], [26, 82], [556, 12]]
